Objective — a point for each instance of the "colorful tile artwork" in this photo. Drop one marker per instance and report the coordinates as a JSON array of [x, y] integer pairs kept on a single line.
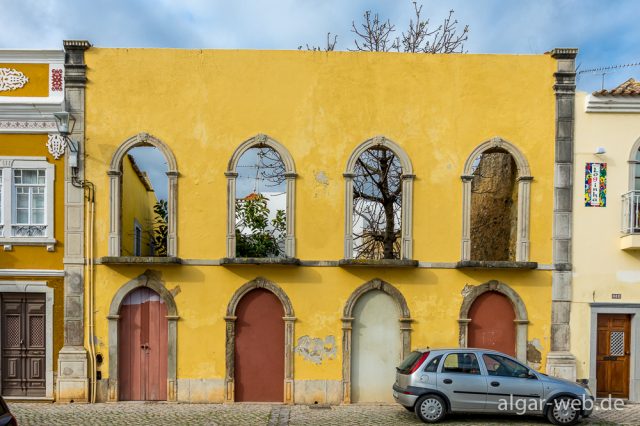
[[595, 185]]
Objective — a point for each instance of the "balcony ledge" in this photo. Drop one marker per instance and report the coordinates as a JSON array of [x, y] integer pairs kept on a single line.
[[288, 261], [380, 263], [495, 264], [630, 242], [139, 260]]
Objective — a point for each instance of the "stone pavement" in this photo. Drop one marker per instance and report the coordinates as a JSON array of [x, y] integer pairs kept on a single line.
[[142, 414]]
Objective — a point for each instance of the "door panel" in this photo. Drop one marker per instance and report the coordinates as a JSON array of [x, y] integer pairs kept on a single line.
[[613, 355], [492, 323], [461, 380], [142, 341], [259, 348], [23, 344], [509, 389], [376, 347]]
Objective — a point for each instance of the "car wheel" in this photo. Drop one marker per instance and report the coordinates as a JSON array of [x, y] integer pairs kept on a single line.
[[564, 411], [430, 408]]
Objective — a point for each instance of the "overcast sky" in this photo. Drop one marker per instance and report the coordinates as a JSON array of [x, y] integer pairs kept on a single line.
[[606, 31]]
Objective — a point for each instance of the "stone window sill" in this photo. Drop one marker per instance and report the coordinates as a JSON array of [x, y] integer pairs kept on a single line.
[[380, 263], [8, 243], [495, 264], [139, 260], [291, 261]]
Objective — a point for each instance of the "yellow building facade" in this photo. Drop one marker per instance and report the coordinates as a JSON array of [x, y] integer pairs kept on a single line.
[[32, 188], [606, 298], [319, 111]]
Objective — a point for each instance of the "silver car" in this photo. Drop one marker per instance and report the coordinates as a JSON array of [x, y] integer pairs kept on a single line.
[[436, 382]]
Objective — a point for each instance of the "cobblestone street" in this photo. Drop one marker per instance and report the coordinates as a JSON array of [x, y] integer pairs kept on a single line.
[[140, 414]]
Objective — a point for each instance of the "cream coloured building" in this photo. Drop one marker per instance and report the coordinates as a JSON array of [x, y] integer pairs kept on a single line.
[[605, 320]]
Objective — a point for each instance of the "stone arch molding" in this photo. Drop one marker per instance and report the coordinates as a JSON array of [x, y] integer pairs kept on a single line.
[[523, 179], [471, 293], [261, 141], [230, 345], [115, 178], [152, 280], [406, 251], [347, 326]]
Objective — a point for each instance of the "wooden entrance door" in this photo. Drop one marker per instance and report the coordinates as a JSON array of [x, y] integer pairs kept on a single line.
[[613, 355], [376, 347], [142, 352], [492, 323], [259, 348], [23, 344]]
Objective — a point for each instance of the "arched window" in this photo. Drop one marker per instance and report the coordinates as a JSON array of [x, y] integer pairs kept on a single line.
[[145, 223], [261, 199], [631, 200], [496, 196], [378, 200]]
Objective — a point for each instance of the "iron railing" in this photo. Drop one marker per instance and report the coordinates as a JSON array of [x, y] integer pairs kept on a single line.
[[631, 212]]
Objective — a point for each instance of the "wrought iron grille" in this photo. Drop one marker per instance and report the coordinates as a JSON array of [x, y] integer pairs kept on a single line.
[[29, 230]]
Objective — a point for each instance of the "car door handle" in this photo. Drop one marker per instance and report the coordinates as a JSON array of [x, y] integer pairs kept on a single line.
[[495, 384], [447, 381]]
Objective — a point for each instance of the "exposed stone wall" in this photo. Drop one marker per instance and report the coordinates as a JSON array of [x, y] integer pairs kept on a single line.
[[494, 208]]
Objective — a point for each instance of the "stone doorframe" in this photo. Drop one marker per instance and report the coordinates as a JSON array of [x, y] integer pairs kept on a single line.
[[262, 141], [347, 326], [523, 179], [152, 280], [632, 309], [230, 343], [115, 200], [38, 287], [406, 221], [471, 293]]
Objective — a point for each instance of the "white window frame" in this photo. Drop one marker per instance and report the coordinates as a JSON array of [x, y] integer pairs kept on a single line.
[[137, 240], [8, 199]]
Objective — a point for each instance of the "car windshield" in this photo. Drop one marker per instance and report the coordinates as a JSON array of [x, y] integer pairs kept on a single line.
[[408, 362]]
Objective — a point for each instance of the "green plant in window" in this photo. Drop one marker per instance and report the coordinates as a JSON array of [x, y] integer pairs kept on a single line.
[[256, 234]]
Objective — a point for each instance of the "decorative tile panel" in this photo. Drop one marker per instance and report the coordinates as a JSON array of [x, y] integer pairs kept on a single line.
[[11, 79]]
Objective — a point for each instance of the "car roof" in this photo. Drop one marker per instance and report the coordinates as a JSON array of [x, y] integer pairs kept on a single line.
[[427, 349]]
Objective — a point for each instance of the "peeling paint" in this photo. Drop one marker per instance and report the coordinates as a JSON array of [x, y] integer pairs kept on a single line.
[[322, 178], [534, 353], [316, 349]]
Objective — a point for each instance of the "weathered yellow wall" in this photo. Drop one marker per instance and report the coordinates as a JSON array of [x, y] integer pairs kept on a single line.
[[138, 203], [36, 257], [38, 84], [601, 268], [320, 105]]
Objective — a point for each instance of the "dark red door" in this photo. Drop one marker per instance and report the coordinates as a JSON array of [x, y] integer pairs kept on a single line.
[[259, 351], [23, 344], [142, 341], [492, 323]]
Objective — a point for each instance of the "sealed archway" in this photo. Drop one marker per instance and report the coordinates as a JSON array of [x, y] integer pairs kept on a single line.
[[492, 323]]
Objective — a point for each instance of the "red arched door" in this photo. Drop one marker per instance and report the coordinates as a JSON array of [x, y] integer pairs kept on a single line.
[[259, 351], [492, 323], [142, 352]]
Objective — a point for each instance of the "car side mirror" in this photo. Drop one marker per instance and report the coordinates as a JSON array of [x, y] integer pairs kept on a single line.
[[531, 375]]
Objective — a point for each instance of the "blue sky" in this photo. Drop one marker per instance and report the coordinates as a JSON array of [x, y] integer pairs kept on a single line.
[[606, 31]]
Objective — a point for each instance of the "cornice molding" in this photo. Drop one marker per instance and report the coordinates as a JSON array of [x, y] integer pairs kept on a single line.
[[31, 56], [610, 104]]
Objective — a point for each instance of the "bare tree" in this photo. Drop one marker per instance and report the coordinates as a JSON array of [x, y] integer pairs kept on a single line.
[[374, 34], [377, 201], [330, 46]]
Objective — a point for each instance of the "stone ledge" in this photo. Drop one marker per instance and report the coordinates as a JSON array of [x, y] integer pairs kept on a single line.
[[290, 261], [139, 260], [380, 263], [495, 264]]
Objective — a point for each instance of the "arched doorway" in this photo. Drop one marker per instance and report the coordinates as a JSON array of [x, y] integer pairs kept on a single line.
[[259, 351], [376, 347], [492, 323], [375, 317], [143, 352]]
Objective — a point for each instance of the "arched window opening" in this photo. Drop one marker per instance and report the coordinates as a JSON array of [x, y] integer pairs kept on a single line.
[[494, 206], [377, 205], [260, 204], [144, 195]]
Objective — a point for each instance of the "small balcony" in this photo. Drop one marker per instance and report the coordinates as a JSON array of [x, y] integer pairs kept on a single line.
[[630, 239]]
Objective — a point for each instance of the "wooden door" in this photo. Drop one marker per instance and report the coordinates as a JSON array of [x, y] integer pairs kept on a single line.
[[23, 344], [613, 355], [142, 352], [375, 347], [259, 348], [492, 323]]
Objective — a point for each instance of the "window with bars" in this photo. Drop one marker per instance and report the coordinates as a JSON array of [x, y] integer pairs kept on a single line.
[[26, 200]]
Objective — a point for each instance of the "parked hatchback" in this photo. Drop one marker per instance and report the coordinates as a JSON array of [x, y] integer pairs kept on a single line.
[[436, 382], [6, 418]]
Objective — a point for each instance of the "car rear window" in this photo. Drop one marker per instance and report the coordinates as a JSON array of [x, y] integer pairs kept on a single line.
[[432, 367], [406, 365]]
